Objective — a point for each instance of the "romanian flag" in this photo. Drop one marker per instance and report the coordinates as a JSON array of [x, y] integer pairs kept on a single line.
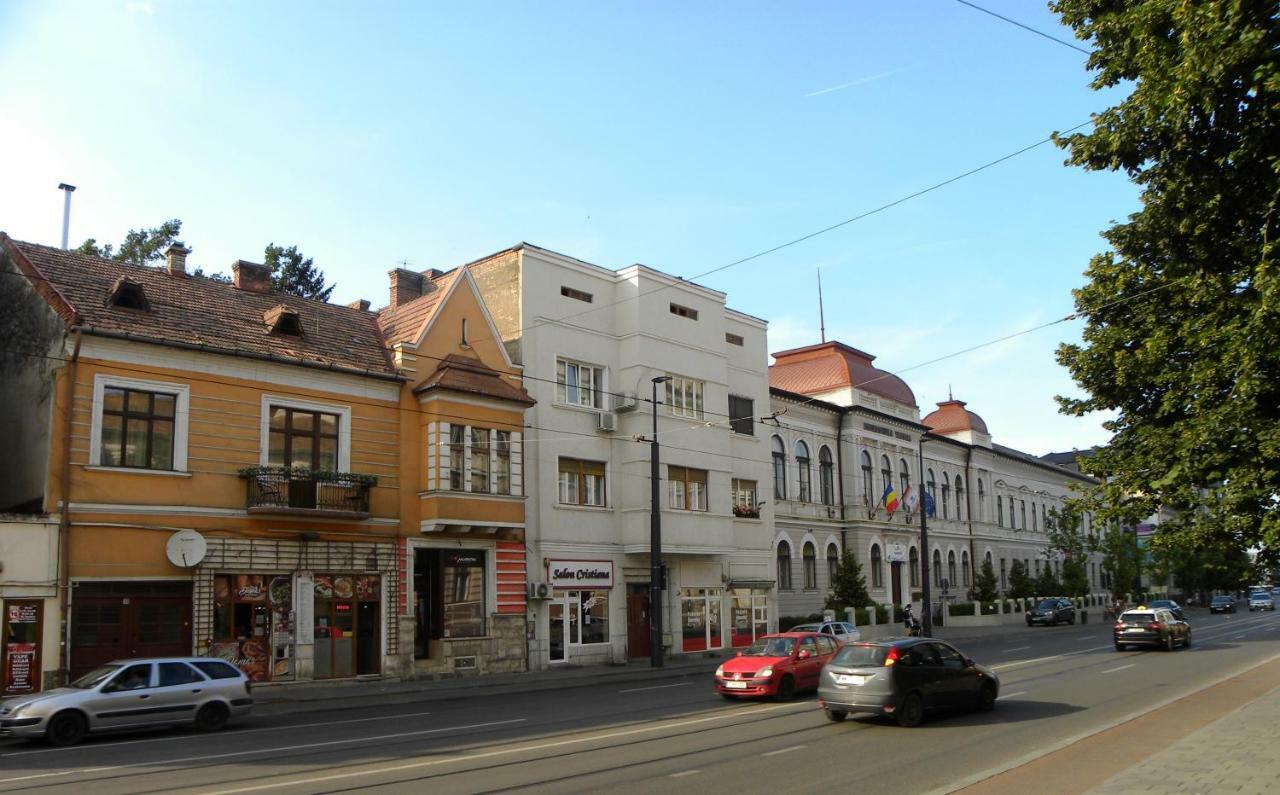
[[889, 498]]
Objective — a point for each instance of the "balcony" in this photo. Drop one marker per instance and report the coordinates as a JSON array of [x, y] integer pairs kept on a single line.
[[281, 490]]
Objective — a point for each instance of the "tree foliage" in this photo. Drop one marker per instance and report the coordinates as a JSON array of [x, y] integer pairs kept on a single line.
[[1021, 585], [849, 588], [984, 584], [1182, 332], [291, 272], [1205, 570], [140, 246], [1121, 559], [1047, 582]]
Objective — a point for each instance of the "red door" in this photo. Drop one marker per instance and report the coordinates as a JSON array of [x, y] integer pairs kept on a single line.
[[638, 621], [111, 621]]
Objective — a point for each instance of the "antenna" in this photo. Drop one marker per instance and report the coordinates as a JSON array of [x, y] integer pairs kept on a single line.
[[66, 211], [822, 321]]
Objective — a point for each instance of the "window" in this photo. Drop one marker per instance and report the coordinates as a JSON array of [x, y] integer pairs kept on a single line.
[[802, 472], [590, 612], [1035, 520], [135, 677], [1000, 510], [303, 439], [810, 566], [742, 414], [1044, 517], [959, 497], [779, 470], [931, 488], [687, 488], [886, 475], [877, 567], [964, 567], [581, 482], [946, 496], [915, 568], [502, 461], [700, 610], [480, 460], [1004, 580], [784, 566], [173, 674], [951, 568], [866, 478], [937, 568], [577, 295], [750, 617], [137, 428], [1023, 506], [904, 476], [982, 501], [684, 397], [684, 311], [457, 451], [827, 479], [462, 579], [464, 341], [579, 384], [745, 503], [833, 564], [734, 339]]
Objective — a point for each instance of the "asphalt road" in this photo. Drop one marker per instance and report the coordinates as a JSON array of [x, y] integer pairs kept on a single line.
[[1057, 683]]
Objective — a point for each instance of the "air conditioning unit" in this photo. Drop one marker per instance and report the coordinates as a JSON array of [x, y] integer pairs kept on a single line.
[[624, 401], [539, 590], [607, 421]]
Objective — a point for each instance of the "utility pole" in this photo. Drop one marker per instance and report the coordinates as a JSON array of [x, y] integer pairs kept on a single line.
[[926, 621], [655, 539]]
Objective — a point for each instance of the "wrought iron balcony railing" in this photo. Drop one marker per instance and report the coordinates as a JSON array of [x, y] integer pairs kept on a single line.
[[286, 490]]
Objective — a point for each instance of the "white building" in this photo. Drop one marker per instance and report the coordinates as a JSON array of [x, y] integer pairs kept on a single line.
[[846, 431], [591, 342]]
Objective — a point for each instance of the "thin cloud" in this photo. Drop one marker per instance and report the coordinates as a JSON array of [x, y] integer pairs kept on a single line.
[[140, 8], [859, 82]]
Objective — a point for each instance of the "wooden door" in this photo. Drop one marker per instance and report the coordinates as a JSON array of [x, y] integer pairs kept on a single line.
[[895, 580], [638, 621]]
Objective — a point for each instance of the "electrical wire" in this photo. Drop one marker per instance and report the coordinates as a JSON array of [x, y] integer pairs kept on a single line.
[[1028, 28]]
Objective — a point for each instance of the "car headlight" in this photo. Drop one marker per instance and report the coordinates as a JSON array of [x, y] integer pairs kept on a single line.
[[765, 672], [720, 671]]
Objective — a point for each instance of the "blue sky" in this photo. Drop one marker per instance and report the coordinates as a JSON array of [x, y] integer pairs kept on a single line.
[[682, 136]]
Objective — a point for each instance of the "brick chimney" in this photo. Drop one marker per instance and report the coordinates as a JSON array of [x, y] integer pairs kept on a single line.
[[175, 259], [406, 285], [362, 305], [251, 276]]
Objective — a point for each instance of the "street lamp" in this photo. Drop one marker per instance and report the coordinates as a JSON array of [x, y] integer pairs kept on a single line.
[[655, 539], [926, 620]]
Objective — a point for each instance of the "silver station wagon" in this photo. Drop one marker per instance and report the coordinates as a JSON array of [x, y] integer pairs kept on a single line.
[[132, 694]]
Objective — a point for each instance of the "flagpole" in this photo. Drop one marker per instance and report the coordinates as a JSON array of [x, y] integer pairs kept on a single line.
[[927, 619]]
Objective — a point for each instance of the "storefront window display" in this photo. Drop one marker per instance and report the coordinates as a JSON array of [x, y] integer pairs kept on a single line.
[[252, 629], [750, 615], [449, 596], [700, 610], [347, 625]]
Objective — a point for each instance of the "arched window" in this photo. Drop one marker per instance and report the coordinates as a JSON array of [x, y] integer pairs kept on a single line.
[[946, 496], [964, 568], [802, 472], [982, 501], [810, 566], [915, 568], [930, 489], [826, 476], [1000, 510], [886, 474], [951, 568], [866, 478], [779, 469], [784, 566], [833, 564], [877, 569], [959, 497], [1035, 520], [904, 476], [937, 568], [988, 559]]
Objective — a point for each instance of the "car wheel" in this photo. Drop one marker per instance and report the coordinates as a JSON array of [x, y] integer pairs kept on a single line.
[[910, 711], [836, 715], [66, 728], [1168, 642], [1072, 620], [987, 698], [786, 689], [1186, 642], [212, 716]]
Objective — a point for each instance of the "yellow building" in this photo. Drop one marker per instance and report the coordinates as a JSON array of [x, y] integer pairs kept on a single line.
[[245, 473]]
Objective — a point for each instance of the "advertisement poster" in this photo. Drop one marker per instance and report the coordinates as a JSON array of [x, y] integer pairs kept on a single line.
[[21, 637]]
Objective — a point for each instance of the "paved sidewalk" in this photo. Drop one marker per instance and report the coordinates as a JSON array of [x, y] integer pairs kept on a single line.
[[1234, 754]]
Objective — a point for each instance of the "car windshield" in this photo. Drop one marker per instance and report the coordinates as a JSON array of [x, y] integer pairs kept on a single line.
[[1222, 599], [1162, 603], [771, 647], [860, 654], [1138, 618], [95, 677], [1260, 597], [1047, 604], [806, 628]]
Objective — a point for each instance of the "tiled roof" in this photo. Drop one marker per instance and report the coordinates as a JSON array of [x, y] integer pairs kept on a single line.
[[829, 366], [405, 323], [208, 314], [459, 373], [952, 416]]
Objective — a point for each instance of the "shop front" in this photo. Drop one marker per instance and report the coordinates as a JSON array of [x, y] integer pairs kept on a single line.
[[347, 616], [700, 619], [253, 624], [578, 612], [749, 618]]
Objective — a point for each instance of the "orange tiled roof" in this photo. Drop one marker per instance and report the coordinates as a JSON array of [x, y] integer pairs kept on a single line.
[[202, 312], [459, 373], [826, 367], [405, 323], [952, 416]]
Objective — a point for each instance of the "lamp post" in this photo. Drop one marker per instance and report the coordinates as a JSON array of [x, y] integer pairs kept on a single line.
[[926, 621], [655, 539]]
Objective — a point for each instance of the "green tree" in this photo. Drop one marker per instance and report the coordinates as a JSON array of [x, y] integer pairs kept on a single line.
[[1021, 585], [1122, 559], [1047, 583], [291, 272], [140, 246], [1181, 341], [849, 587], [984, 584]]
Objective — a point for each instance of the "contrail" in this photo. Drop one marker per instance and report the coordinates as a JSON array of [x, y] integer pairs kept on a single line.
[[858, 82]]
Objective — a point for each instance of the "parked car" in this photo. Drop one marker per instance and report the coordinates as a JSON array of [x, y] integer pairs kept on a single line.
[[842, 631], [1052, 611], [132, 694], [1147, 627], [776, 665], [1261, 601], [904, 678], [1170, 605], [1222, 604]]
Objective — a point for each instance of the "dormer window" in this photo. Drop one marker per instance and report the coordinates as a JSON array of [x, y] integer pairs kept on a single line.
[[280, 319], [128, 294]]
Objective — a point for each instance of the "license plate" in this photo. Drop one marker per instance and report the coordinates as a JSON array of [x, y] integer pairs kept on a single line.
[[1135, 629], [736, 685], [850, 679]]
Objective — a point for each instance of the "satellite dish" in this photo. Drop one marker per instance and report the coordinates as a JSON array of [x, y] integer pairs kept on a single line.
[[186, 548]]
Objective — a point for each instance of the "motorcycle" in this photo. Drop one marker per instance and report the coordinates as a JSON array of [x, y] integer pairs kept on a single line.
[[910, 623]]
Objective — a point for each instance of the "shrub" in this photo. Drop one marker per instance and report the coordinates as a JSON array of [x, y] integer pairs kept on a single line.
[[962, 609]]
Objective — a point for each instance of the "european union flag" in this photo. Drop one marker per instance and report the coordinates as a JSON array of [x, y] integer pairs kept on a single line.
[[929, 507]]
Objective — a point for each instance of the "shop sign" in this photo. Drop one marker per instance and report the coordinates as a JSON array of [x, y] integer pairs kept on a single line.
[[580, 574], [897, 553]]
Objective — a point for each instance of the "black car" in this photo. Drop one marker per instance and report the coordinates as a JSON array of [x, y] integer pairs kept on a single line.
[[904, 678], [1052, 611], [1147, 627], [1170, 605], [1222, 604]]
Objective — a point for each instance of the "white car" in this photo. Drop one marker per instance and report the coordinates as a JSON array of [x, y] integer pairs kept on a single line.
[[1261, 600], [842, 631]]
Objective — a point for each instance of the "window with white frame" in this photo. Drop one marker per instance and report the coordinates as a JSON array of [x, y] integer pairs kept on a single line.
[[582, 482], [457, 457], [779, 469], [684, 397], [802, 472], [745, 503], [502, 462], [826, 476], [139, 424], [480, 460], [687, 488], [579, 384]]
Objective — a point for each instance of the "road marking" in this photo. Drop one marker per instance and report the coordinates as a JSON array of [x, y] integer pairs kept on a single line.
[[783, 750], [655, 687], [256, 752], [684, 773], [1237, 637], [1121, 668], [1020, 648], [1011, 695], [231, 732], [594, 738]]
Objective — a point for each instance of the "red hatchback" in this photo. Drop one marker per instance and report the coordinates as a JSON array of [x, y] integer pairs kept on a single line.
[[776, 665]]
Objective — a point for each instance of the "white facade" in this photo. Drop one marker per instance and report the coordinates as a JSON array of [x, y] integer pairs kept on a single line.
[[590, 341]]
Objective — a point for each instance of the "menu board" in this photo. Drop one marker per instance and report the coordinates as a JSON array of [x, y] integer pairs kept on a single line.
[[21, 637]]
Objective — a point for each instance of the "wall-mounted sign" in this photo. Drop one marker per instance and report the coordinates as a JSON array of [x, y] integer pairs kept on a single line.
[[580, 574], [20, 634], [896, 553]]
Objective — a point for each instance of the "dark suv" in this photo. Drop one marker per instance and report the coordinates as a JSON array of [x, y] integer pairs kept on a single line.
[[1222, 604], [1052, 611]]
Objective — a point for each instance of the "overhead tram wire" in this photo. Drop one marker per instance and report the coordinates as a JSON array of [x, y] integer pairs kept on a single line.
[[1027, 28]]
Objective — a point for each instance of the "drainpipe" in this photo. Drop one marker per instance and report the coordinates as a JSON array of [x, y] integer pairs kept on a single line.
[[968, 504], [64, 519]]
